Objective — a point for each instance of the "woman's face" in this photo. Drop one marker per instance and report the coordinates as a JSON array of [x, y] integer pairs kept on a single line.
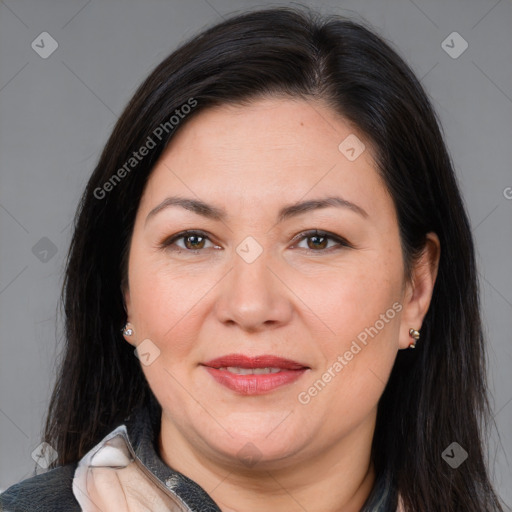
[[253, 280]]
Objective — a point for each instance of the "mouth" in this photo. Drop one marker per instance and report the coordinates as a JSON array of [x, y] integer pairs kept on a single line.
[[254, 375]]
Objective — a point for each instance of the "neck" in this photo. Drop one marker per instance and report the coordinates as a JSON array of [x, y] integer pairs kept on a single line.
[[339, 478]]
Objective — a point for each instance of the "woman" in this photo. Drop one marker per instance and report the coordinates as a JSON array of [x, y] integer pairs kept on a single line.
[[275, 230]]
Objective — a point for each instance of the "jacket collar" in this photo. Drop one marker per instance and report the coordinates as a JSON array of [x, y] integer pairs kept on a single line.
[[143, 429]]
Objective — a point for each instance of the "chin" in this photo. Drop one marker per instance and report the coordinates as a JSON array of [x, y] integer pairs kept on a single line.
[[257, 441]]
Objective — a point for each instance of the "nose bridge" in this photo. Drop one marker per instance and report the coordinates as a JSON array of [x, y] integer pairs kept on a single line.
[[253, 296], [251, 264], [252, 280]]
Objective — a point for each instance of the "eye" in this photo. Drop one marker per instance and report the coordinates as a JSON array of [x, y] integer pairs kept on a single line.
[[318, 241], [193, 241]]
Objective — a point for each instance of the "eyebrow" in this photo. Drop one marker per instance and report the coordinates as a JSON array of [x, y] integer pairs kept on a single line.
[[215, 213]]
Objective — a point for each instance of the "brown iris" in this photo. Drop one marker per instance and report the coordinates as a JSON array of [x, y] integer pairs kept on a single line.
[[318, 246], [194, 245]]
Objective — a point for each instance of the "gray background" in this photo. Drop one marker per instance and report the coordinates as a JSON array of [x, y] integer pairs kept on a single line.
[[56, 114]]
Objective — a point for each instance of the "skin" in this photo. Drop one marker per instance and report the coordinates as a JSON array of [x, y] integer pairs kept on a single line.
[[299, 299]]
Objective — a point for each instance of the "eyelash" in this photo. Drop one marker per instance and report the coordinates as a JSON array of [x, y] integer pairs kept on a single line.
[[342, 243]]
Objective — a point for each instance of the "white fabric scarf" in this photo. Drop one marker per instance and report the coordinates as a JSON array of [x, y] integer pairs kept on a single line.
[[107, 479]]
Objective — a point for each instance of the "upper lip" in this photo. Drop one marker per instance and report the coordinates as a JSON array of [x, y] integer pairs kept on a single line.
[[263, 361]]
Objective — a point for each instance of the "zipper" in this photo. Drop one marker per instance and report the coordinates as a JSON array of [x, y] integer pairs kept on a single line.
[[178, 501]]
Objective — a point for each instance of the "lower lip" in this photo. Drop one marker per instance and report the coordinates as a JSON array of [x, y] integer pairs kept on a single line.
[[254, 384]]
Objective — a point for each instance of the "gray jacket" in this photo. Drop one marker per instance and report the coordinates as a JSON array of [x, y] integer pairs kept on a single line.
[[54, 491]]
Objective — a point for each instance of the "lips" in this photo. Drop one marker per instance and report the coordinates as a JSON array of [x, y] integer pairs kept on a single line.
[[254, 375], [264, 361]]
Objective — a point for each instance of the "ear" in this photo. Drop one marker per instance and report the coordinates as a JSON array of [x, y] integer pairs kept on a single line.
[[418, 292]]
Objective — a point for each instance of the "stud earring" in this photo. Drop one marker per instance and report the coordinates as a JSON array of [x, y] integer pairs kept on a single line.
[[127, 331], [413, 333]]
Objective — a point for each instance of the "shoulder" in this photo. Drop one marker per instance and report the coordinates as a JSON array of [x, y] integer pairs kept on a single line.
[[50, 491]]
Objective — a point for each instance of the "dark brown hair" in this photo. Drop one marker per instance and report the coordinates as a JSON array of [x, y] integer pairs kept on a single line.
[[437, 393]]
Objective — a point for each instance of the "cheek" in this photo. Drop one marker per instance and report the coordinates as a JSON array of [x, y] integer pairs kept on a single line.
[[357, 365], [362, 310], [160, 295], [166, 302], [348, 301], [164, 306]]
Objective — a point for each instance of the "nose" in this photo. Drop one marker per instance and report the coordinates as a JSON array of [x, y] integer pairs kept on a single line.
[[253, 295]]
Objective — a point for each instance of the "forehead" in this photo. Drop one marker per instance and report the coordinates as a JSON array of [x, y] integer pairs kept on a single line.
[[268, 149], [291, 127]]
